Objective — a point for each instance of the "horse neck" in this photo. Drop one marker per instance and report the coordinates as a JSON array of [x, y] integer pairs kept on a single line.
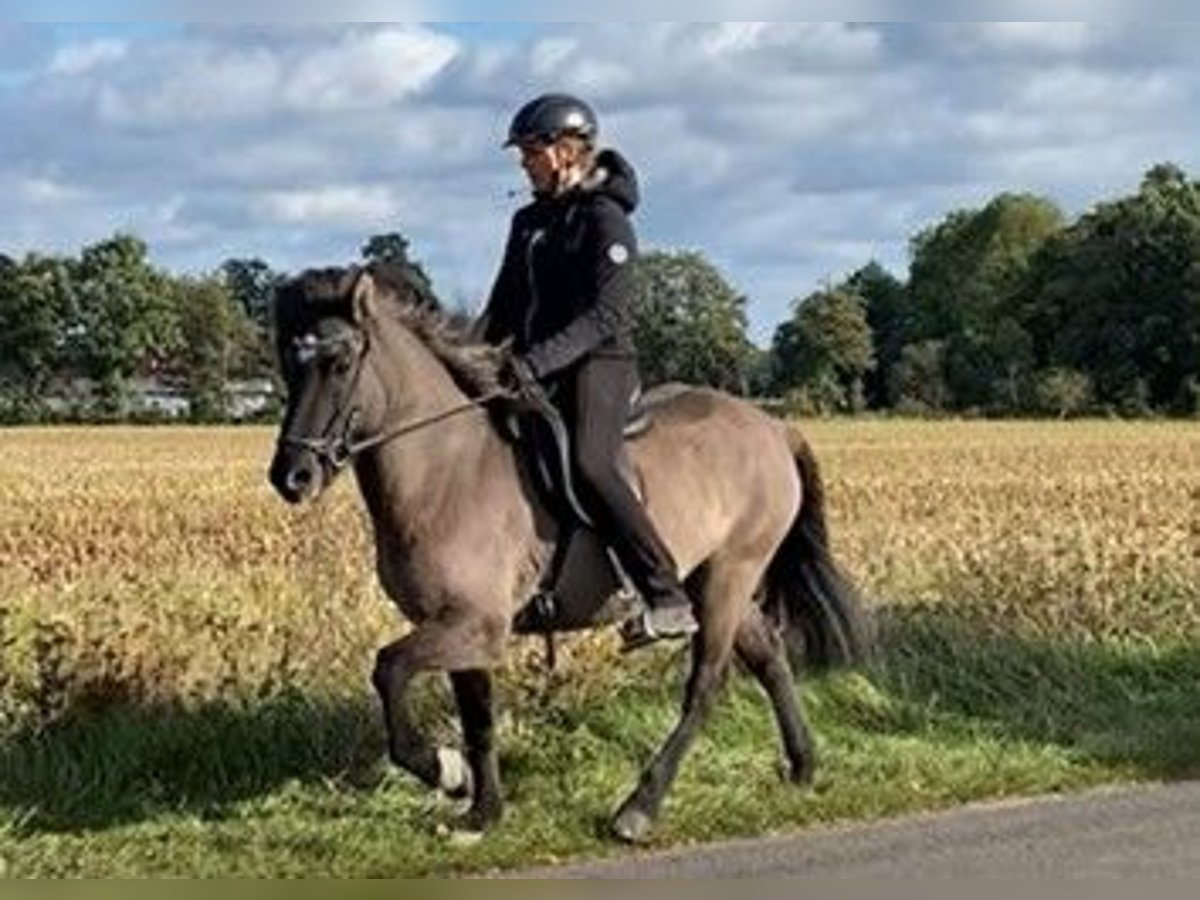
[[404, 477]]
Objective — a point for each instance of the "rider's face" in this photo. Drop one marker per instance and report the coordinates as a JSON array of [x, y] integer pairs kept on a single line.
[[543, 164]]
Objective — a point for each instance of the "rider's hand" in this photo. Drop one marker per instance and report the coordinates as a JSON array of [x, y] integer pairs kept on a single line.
[[517, 375]]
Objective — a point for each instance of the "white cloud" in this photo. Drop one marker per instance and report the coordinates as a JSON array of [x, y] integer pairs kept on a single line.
[[190, 83], [215, 76], [336, 205], [789, 152], [368, 70], [44, 192], [1074, 89], [78, 59], [1054, 38]]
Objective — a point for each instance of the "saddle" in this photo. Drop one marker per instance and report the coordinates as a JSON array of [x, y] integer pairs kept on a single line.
[[584, 584]]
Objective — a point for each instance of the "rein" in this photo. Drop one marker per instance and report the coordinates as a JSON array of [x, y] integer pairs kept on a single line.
[[337, 449], [396, 431]]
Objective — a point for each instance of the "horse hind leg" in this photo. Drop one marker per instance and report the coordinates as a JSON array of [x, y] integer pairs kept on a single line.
[[727, 593], [762, 652]]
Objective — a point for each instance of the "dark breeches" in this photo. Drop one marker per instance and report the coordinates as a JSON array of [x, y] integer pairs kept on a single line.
[[597, 408]]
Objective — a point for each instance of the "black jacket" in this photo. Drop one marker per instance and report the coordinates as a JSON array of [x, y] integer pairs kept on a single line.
[[564, 288]]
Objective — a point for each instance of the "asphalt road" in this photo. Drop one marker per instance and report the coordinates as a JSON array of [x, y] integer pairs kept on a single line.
[[1139, 832]]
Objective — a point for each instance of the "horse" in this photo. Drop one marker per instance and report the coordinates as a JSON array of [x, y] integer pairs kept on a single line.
[[380, 380]]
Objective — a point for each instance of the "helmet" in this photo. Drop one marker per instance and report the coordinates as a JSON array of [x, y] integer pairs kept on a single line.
[[549, 117]]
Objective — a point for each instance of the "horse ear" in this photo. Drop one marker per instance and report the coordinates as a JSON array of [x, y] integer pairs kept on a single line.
[[362, 298]]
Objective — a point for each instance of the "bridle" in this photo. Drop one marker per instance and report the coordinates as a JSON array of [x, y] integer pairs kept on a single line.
[[335, 447]]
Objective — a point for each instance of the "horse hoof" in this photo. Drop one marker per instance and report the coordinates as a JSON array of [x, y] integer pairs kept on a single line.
[[799, 775], [460, 835], [632, 826], [454, 775]]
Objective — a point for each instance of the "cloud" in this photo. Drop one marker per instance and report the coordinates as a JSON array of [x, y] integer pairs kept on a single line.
[[360, 206], [79, 59], [214, 74], [788, 152]]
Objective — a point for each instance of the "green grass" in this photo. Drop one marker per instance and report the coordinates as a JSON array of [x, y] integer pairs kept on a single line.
[[296, 785]]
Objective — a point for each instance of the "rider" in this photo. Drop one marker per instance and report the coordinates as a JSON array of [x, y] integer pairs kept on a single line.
[[562, 296]]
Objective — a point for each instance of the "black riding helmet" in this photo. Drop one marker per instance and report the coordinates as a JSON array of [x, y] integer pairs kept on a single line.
[[549, 117]]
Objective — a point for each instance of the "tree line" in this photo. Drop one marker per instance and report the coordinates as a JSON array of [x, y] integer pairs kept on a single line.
[[1009, 309]]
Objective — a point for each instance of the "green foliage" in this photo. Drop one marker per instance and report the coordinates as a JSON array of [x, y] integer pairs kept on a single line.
[[392, 247], [1007, 309], [969, 278], [1062, 392], [35, 298], [824, 351], [918, 380], [218, 336], [252, 284], [890, 314], [1118, 296], [689, 323], [295, 786], [122, 320]]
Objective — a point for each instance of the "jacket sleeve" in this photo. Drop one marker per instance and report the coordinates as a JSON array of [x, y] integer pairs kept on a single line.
[[609, 250], [498, 321]]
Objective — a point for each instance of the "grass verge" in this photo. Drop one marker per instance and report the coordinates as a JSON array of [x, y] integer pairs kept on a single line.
[[295, 785]]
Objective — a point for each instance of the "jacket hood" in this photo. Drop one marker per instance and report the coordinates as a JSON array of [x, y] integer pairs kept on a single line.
[[614, 177]]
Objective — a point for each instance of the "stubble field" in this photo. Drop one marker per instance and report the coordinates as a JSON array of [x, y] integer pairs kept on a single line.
[[184, 660]]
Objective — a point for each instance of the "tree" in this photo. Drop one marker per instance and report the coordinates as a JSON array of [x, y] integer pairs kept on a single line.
[[1118, 296], [217, 335], [392, 248], [689, 322], [35, 296], [919, 378], [1062, 392], [826, 350], [889, 312], [252, 284], [969, 283], [123, 320]]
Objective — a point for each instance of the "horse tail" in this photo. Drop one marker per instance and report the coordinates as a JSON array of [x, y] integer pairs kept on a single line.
[[822, 615]]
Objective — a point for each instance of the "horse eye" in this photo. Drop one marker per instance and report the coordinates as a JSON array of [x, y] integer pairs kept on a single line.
[[305, 349]]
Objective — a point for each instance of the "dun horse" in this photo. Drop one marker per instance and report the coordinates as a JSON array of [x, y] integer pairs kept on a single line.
[[379, 380]]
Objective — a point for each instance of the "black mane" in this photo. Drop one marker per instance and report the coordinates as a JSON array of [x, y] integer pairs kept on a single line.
[[322, 293]]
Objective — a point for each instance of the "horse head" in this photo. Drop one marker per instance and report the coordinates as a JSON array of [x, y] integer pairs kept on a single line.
[[324, 326], [366, 356]]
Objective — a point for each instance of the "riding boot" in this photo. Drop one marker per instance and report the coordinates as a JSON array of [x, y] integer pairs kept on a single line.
[[667, 608]]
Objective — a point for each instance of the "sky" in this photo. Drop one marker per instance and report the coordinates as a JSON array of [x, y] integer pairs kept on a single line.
[[788, 153]]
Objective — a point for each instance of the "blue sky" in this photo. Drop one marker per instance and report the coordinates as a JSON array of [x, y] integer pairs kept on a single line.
[[789, 153]]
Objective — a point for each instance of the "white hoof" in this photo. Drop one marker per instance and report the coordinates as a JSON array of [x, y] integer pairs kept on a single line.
[[454, 776], [632, 826]]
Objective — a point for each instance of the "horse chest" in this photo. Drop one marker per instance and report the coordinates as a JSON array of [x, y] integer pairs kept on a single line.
[[400, 574]]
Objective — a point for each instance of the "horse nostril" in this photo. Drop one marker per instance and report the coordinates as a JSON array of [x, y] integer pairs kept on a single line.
[[299, 480]]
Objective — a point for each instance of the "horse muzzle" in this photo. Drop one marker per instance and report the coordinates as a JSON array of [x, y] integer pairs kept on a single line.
[[297, 474]]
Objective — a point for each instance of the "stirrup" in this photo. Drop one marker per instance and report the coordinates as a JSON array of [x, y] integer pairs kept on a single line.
[[652, 625], [538, 615]]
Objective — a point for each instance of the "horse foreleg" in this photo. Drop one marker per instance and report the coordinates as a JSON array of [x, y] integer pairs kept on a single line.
[[465, 647], [473, 693], [408, 747], [762, 652]]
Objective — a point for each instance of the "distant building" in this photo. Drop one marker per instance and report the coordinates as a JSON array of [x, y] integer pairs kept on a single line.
[[162, 398]]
